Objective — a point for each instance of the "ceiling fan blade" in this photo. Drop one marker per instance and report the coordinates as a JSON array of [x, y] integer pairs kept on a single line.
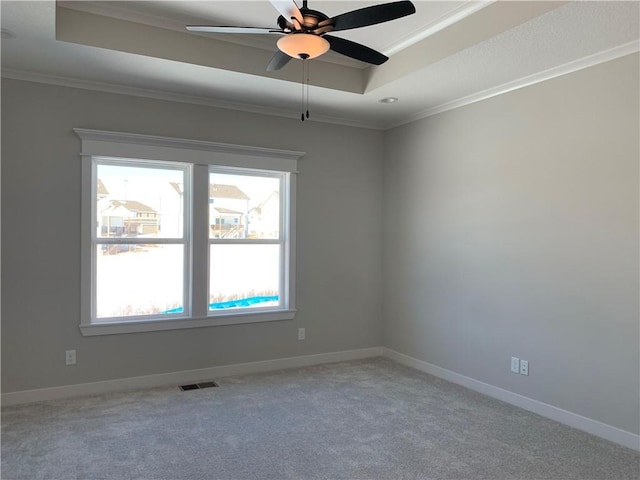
[[288, 9], [214, 29], [364, 17], [279, 60], [355, 50]]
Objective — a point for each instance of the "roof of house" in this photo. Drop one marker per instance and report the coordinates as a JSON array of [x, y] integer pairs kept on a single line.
[[132, 205], [226, 210], [220, 190], [177, 187], [101, 189]]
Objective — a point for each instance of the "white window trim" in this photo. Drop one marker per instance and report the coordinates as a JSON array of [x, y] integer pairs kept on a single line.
[[201, 154]]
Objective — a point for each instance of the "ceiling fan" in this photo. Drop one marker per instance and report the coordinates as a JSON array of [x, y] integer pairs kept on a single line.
[[304, 31]]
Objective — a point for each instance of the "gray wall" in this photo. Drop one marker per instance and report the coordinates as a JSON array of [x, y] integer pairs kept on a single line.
[[339, 238], [511, 228]]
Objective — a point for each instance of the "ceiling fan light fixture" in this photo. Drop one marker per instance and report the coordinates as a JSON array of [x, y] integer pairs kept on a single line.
[[303, 45]]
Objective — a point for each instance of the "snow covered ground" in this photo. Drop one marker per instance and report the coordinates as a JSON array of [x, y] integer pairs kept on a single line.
[[149, 279]]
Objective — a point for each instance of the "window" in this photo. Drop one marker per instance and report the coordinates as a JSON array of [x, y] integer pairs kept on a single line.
[[245, 239], [180, 233], [140, 262]]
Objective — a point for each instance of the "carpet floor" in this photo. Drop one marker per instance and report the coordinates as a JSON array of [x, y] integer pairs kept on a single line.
[[369, 419]]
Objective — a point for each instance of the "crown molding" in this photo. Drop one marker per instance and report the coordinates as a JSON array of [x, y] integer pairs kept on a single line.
[[570, 67], [175, 97], [560, 70]]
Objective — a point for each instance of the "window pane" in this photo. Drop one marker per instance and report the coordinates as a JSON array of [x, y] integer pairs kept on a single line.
[[243, 206], [139, 201], [244, 276], [139, 280]]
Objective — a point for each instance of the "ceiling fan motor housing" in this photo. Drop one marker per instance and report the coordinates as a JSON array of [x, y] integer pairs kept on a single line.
[[310, 21], [311, 18]]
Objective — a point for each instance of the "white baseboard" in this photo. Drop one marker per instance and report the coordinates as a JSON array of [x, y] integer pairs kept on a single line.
[[574, 420], [594, 427], [182, 377]]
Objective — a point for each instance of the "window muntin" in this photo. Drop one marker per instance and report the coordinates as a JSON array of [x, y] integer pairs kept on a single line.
[[141, 240]]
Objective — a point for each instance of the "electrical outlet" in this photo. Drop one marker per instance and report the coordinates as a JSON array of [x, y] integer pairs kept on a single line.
[[301, 334], [515, 365], [70, 357], [524, 367]]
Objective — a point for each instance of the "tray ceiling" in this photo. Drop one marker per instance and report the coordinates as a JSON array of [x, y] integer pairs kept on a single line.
[[445, 54]]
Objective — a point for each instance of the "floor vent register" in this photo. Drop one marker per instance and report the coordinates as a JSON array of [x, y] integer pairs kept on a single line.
[[197, 386]]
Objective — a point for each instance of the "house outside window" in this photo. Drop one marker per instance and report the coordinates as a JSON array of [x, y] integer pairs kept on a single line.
[[182, 234]]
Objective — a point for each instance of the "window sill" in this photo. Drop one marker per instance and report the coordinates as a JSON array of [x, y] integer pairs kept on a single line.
[[112, 328]]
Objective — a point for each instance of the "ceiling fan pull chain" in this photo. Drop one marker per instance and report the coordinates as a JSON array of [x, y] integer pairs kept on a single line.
[[302, 83], [307, 89]]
